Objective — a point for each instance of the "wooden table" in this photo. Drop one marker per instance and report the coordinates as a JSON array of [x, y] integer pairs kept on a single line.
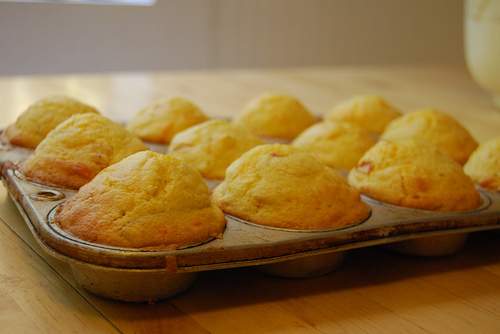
[[374, 291]]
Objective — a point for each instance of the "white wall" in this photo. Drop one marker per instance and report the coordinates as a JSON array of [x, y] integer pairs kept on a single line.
[[41, 38]]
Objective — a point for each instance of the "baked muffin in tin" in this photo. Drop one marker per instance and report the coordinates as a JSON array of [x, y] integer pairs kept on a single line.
[[433, 127], [77, 150], [280, 186], [483, 165], [275, 116], [370, 111], [161, 120], [212, 146], [338, 144], [148, 200], [413, 174], [33, 125]]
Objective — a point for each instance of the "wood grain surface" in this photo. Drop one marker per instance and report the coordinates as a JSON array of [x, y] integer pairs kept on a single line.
[[374, 291]]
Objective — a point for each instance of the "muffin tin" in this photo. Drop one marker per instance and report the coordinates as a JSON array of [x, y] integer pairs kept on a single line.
[[146, 275]]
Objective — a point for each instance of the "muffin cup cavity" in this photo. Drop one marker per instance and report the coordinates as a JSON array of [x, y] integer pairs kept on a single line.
[[131, 285], [126, 284], [433, 246], [304, 267]]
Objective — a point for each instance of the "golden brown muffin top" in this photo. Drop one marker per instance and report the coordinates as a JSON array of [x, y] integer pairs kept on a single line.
[[161, 120], [281, 186], [147, 200], [78, 149], [41, 117], [336, 143], [433, 127], [483, 165], [212, 146], [369, 111], [279, 116], [413, 174]]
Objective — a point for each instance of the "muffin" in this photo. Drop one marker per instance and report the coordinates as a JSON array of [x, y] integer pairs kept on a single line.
[[414, 174], [370, 111], [483, 165], [436, 128], [281, 186], [160, 121], [336, 143], [40, 118], [77, 150], [148, 200], [212, 146], [277, 116]]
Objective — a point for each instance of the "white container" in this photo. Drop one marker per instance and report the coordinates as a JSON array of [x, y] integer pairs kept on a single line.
[[482, 44]]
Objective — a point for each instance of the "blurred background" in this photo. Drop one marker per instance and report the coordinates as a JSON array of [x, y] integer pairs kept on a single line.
[[57, 38]]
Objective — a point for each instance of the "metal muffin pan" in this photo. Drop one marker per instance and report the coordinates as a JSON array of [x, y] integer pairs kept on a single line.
[[145, 275]]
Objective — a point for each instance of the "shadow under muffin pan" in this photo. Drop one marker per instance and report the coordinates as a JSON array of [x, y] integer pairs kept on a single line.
[[147, 275]]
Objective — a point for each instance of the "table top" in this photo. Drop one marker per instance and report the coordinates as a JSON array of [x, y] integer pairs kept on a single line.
[[374, 290]]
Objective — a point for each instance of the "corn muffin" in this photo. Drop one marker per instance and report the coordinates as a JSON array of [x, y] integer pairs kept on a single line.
[[40, 118], [277, 116], [212, 146], [147, 200], [483, 165], [436, 128], [77, 150], [369, 111], [160, 121], [414, 174], [336, 143], [281, 186]]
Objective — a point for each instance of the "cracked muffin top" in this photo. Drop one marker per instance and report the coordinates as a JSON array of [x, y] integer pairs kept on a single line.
[[147, 200], [414, 174], [41, 117], [281, 186]]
